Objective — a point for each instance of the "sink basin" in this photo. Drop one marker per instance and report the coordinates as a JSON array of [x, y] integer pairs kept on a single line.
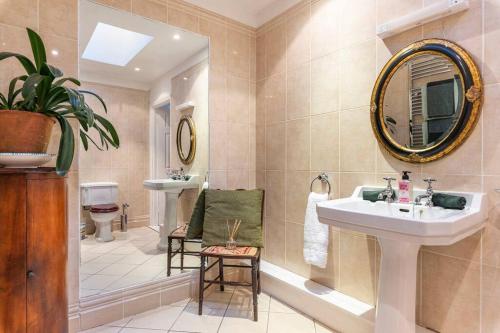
[[172, 189], [418, 224], [171, 185], [401, 229]]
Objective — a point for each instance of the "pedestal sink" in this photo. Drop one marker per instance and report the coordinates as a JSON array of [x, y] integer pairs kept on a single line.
[[401, 229], [172, 189]]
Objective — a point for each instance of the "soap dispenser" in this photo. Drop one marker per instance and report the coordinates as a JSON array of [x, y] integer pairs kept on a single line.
[[405, 188]]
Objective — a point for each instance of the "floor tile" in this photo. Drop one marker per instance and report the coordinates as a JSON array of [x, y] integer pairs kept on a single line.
[[290, 323], [277, 306], [108, 258], [243, 300], [237, 321], [103, 329], [323, 329], [161, 318], [118, 269], [89, 292], [190, 321], [91, 268], [140, 330], [214, 300], [146, 269], [98, 281]]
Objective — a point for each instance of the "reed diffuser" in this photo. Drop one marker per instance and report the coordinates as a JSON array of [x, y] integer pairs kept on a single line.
[[232, 232]]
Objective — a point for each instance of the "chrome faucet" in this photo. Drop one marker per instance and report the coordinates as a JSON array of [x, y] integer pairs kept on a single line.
[[388, 192], [428, 194]]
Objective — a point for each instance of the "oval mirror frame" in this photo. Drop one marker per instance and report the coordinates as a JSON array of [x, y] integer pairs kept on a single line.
[[189, 157], [469, 114]]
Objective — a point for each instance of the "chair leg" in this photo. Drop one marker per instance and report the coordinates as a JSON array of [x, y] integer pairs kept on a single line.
[[258, 276], [182, 255], [169, 256], [254, 289], [221, 272], [202, 284]]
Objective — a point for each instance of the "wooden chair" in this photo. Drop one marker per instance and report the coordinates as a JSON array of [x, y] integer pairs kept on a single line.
[[221, 253], [240, 253], [179, 234]]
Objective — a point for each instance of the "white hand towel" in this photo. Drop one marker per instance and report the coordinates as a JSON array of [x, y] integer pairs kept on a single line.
[[315, 233], [205, 186]]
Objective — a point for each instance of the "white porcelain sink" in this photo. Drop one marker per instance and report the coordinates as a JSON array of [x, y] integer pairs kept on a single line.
[[172, 189], [401, 229], [171, 185]]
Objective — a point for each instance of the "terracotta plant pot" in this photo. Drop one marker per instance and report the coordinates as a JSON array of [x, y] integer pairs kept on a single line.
[[24, 132]]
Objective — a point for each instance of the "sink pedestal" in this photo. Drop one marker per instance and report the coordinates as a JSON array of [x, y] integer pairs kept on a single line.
[[397, 287], [170, 220]]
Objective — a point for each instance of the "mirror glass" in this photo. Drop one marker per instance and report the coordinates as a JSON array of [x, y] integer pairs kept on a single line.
[[423, 101], [145, 71]]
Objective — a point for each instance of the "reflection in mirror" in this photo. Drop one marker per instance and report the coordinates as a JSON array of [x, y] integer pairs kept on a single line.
[[144, 70], [186, 140], [423, 101]]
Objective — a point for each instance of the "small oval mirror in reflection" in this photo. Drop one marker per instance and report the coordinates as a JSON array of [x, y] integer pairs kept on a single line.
[[186, 140], [423, 101]]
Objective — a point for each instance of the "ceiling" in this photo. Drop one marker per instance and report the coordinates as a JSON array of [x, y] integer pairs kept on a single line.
[[251, 12], [160, 56]]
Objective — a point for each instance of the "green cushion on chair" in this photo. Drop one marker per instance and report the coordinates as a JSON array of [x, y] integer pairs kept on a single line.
[[221, 206], [195, 227]]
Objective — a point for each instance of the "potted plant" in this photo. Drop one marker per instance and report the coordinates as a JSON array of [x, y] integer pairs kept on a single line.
[[36, 100]]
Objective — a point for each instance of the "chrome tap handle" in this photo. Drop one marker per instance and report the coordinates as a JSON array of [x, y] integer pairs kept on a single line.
[[388, 192], [429, 182], [389, 180]]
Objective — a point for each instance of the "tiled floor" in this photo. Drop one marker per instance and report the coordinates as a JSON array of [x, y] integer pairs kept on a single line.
[[130, 259], [224, 312]]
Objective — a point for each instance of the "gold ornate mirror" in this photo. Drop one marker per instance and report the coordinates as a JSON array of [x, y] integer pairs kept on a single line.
[[186, 140], [426, 100]]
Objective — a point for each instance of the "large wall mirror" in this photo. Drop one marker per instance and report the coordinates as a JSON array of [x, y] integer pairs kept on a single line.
[[154, 79], [426, 100]]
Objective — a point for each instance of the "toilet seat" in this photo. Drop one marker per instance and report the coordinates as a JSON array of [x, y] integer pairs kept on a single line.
[[107, 208]]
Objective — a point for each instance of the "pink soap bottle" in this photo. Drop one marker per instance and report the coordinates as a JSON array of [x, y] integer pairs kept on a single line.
[[405, 194]]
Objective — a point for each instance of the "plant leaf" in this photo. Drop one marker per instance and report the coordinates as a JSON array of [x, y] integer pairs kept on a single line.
[[110, 128], [29, 87], [60, 82], [66, 147], [96, 96], [27, 64], [50, 70], [38, 49]]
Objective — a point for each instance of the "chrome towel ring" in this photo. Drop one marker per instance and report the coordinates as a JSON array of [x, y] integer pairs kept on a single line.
[[323, 177]]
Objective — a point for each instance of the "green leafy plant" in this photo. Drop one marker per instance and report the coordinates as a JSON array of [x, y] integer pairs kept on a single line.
[[44, 90]]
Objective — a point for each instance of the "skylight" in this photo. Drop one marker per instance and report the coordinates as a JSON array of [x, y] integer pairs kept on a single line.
[[113, 45]]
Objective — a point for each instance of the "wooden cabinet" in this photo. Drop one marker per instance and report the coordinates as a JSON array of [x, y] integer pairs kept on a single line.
[[33, 251]]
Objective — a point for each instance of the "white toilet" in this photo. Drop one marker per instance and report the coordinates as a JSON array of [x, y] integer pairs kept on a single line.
[[100, 199]]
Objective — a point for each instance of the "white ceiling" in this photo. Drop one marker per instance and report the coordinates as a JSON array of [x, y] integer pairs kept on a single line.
[[160, 56], [251, 12]]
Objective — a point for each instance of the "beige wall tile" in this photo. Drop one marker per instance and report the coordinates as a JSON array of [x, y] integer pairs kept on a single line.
[[275, 195], [275, 50], [297, 190], [491, 123], [237, 146], [67, 57], [275, 95], [12, 39], [261, 57], [357, 22], [325, 84], [357, 267], [150, 9], [294, 249], [238, 100], [238, 179], [59, 17], [357, 143], [357, 75], [218, 140], [325, 25], [491, 67], [275, 241], [490, 291], [450, 294], [238, 53], [298, 86], [298, 146], [20, 13], [118, 4], [298, 37], [218, 35], [182, 19], [325, 142], [275, 147], [349, 181]]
